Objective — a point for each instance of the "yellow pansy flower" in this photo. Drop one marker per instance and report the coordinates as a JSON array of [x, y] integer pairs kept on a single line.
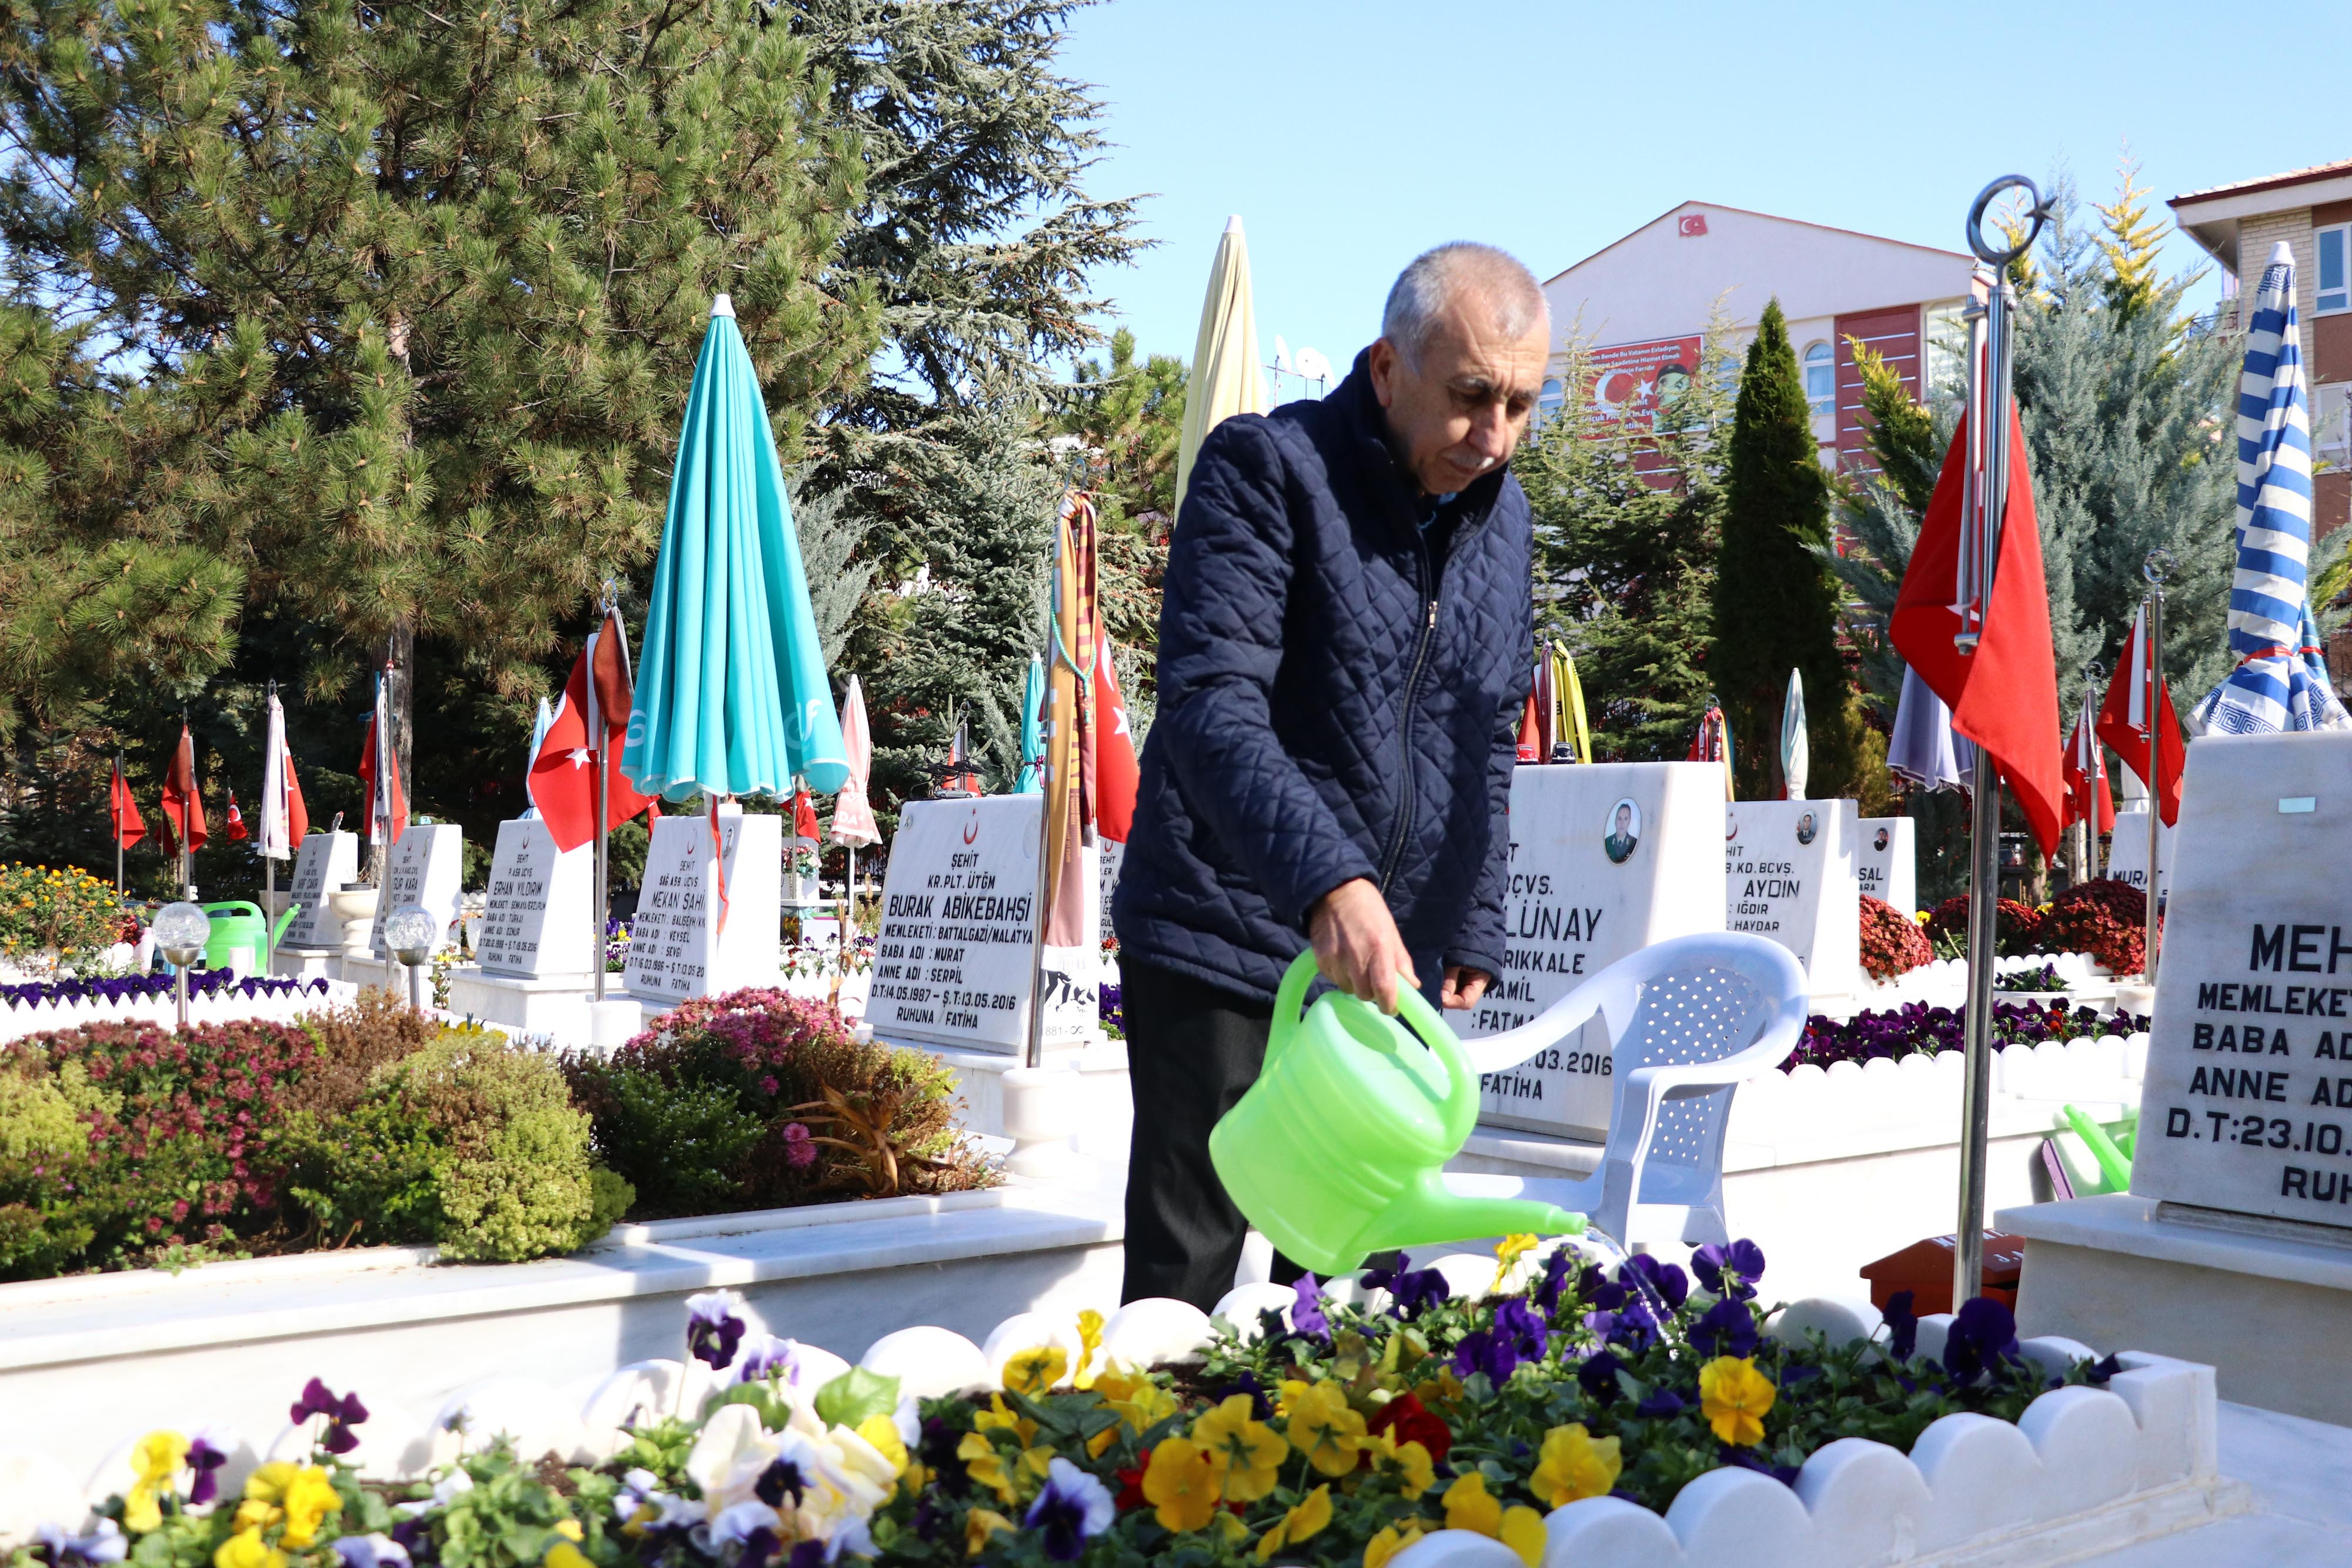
[[1322, 1426], [883, 1433], [1090, 1330], [1313, 1512], [1243, 1449], [1415, 1472], [979, 1525], [563, 1554], [1035, 1370], [268, 1482], [1509, 1250], [157, 1457], [998, 1416], [1140, 1403], [1181, 1484], [1524, 1532], [311, 1496], [985, 1465], [1575, 1464], [1391, 1541], [570, 1530], [1469, 1506], [1735, 1397], [245, 1548]]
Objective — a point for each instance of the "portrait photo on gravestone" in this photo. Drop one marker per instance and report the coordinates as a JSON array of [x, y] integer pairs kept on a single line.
[[1624, 831]]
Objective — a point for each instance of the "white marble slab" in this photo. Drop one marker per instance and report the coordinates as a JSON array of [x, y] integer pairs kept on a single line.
[[424, 867], [1886, 861], [539, 912], [1788, 877], [951, 964], [678, 947], [325, 862], [2127, 851], [1606, 859], [2249, 1101]]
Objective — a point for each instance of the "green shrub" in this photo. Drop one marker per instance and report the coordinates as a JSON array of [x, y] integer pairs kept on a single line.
[[683, 1144], [469, 1143], [63, 911]]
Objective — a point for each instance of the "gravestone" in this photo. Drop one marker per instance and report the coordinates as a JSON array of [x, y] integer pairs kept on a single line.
[[1606, 859], [324, 863], [1114, 855], [540, 905], [2247, 1106], [951, 965], [1887, 862], [679, 946], [424, 867], [2128, 852], [1788, 877]]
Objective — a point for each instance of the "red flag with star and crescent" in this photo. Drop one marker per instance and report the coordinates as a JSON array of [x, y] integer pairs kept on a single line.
[[564, 774], [1116, 773], [235, 819]]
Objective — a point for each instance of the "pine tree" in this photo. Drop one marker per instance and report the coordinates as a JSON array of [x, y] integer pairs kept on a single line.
[[1775, 609], [2129, 239], [1626, 563]]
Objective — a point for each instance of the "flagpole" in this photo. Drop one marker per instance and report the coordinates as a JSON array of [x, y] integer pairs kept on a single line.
[[114, 814], [187, 867], [603, 913], [1987, 500], [269, 862], [2153, 569]]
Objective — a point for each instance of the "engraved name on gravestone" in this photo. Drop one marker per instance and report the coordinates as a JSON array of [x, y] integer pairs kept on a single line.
[[951, 964], [1885, 860], [1788, 877], [424, 867], [1606, 857], [537, 910], [2127, 853], [679, 946], [2247, 1105], [322, 865]]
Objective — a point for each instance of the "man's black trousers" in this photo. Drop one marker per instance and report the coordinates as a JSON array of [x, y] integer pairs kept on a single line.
[[1191, 1049]]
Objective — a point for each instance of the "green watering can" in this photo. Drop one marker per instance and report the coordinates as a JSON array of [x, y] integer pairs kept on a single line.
[[240, 926], [2113, 1154], [1338, 1149]]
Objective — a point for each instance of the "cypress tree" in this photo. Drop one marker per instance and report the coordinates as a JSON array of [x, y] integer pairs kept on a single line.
[[1775, 609]]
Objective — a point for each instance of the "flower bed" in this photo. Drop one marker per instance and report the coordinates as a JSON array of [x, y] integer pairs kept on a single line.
[[127, 1146], [2104, 918], [68, 912], [203, 984], [1554, 1419], [1918, 1029]]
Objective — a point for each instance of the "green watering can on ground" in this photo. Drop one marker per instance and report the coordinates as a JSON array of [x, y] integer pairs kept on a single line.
[[2113, 1152], [1338, 1149], [238, 926]]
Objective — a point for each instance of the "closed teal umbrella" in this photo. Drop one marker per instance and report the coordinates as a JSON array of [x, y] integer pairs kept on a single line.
[[1032, 731], [731, 696]]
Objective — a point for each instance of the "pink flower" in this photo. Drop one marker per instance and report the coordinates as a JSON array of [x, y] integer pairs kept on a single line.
[[769, 1085], [800, 1150]]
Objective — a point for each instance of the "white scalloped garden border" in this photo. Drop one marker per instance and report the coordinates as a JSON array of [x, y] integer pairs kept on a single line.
[[2085, 1468], [19, 1020], [1895, 1094]]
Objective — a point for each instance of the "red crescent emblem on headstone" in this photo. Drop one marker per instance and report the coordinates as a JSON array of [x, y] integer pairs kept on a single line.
[[971, 827]]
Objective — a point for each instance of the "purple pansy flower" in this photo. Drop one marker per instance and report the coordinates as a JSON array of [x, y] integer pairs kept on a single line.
[[341, 1415], [1902, 1327], [1482, 1351], [1983, 1334], [208, 1450], [1660, 1404], [1519, 1324], [712, 1328], [1073, 1509], [1661, 1282], [1727, 1328], [1597, 1374], [1411, 1290], [1730, 1271], [763, 1356], [1555, 1279], [1597, 1291], [1307, 1312]]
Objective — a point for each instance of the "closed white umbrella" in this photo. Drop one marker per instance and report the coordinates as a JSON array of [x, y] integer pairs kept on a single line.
[[1225, 379], [1796, 753]]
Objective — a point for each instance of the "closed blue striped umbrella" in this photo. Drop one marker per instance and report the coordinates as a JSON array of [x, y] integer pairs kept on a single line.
[[2280, 681]]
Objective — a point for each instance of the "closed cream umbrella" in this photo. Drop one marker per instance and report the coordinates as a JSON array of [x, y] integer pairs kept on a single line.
[[1225, 378]]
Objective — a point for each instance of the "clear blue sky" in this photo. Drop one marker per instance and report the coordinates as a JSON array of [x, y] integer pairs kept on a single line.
[[1349, 136]]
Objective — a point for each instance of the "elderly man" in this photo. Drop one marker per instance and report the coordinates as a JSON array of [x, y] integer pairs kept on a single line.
[[1343, 658]]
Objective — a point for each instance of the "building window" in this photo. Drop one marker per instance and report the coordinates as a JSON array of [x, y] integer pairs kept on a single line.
[[1820, 379], [2333, 294], [2331, 433], [1548, 403]]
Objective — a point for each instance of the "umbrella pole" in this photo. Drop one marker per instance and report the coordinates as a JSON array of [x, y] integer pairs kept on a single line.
[[2155, 711], [268, 902]]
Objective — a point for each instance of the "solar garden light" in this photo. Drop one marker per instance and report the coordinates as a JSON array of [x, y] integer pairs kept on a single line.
[[181, 931], [408, 933]]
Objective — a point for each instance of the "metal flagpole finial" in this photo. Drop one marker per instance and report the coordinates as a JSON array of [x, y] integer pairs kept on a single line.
[[2039, 212], [2159, 561]]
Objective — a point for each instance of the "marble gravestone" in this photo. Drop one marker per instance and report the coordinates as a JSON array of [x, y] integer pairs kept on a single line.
[[324, 863], [678, 947], [1885, 860], [424, 867], [959, 921], [1790, 877], [1114, 855], [2247, 1106], [2128, 852], [540, 907], [1606, 857]]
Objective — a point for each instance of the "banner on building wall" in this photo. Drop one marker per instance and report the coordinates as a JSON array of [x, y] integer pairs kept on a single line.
[[1630, 382]]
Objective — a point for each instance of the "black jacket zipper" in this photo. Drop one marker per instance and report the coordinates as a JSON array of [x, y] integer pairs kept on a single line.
[[1412, 695]]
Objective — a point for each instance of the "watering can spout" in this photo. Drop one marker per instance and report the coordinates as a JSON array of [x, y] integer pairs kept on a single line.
[[285, 919], [1428, 1212]]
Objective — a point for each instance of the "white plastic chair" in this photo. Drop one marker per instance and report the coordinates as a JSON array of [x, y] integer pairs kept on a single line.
[[1690, 1019]]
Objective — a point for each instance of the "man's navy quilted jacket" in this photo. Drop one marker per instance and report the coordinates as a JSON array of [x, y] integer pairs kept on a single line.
[[1338, 698]]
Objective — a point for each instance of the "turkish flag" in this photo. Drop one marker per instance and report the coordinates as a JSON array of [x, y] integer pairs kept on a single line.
[[129, 827], [1531, 732], [235, 819], [564, 774], [803, 816], [182, 808], [399, 802], [1116, 773], [2003, 696], [2087, 799], [2123, 721], [298, 815]]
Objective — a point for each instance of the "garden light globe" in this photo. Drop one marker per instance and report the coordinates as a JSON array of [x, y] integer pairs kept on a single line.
[[181, 931], [408, 932]]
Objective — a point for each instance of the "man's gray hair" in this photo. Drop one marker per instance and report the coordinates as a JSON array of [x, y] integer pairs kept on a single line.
[[1438, 278]]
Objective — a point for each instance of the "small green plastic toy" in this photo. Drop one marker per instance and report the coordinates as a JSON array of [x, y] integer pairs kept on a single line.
[[1338, 1149]]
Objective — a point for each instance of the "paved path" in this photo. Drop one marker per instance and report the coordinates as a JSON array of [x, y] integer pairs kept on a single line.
[[2301, 1473]]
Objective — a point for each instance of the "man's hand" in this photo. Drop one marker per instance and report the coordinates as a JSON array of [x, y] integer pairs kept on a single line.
[[1358, 945], [1464, 986]]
